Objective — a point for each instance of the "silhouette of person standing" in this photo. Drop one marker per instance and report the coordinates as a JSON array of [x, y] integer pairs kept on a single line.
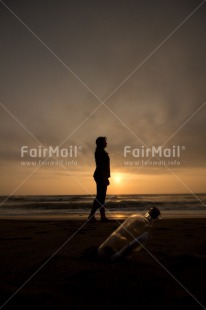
[[101, 177]]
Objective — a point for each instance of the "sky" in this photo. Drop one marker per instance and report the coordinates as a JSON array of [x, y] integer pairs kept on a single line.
[[133, 71]]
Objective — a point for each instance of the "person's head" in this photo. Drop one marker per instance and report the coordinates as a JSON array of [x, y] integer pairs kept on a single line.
[[101, 142]]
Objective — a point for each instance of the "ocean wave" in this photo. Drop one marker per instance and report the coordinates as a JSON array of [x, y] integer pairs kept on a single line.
[[82, 203]]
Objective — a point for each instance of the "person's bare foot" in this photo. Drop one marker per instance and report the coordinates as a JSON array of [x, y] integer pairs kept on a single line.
[[92, 219]]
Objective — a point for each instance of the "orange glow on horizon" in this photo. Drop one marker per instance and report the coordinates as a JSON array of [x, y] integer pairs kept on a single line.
[[79, 182]]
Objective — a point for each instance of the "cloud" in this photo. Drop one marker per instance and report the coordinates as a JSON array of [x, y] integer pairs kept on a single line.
[[102, 43]]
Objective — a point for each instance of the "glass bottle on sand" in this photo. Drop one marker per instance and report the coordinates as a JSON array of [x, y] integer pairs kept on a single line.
[[129, 236]]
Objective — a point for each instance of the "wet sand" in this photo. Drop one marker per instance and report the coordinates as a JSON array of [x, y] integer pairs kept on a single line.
[[52, 265]]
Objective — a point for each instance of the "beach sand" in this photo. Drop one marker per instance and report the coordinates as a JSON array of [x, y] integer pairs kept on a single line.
[[50, 264]]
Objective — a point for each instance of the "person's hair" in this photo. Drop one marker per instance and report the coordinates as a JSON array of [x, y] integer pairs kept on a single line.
[[100, 142]]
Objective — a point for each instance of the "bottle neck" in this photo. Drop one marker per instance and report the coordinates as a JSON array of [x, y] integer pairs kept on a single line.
[[149, 218]]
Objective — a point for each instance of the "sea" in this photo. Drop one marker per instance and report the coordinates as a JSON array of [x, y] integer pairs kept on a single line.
[[61, 206]]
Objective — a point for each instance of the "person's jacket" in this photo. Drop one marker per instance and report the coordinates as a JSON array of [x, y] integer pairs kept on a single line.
[[102, 171]]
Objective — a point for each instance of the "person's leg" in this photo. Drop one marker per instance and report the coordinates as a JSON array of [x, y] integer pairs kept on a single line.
[[96, 202], [93, 210], [101, 199]]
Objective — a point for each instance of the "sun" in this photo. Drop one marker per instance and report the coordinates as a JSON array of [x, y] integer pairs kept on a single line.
[[117, 177]]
